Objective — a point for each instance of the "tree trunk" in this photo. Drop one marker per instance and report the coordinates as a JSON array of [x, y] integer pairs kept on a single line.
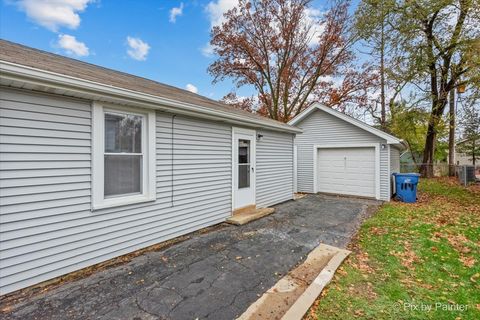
[[438, 106], [474, 148], [426, 168], [383, 121], [451, 136]]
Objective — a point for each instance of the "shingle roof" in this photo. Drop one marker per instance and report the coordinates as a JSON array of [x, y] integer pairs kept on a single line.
[[30, 57]]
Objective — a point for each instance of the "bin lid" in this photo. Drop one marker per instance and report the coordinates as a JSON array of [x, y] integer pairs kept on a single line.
[[409, 174]]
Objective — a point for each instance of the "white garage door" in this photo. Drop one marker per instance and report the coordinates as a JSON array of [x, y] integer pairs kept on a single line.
[[349, 171]]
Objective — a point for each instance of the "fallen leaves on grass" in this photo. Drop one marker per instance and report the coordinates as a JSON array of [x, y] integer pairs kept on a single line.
[[364, 289], [447, 217], [459, 242], [446, 214], [359, 313], [378, 231], [467, 261], [361, 262], [408, 257], [474, 188], [475, 277]]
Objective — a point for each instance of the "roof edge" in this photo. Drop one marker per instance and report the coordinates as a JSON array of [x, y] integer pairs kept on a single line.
[[19, 72], [360, 124]]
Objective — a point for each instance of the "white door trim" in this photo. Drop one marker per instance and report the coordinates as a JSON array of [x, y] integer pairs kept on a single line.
[[336, 146], [236, 130]]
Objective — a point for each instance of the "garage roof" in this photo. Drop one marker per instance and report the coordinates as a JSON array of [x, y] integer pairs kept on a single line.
[[56, 67], [317, 106]]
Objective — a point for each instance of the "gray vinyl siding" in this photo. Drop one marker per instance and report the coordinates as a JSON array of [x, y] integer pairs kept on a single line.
[[384, 174], [47, 227], [321, 128], [274, 165]]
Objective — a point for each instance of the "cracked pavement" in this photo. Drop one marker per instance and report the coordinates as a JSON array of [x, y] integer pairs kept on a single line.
[[215, 275]]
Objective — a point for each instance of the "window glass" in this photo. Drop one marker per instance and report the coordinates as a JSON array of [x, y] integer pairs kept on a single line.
[[123, 133], [243, 163], [243, 176], [123, 175], [243, 151], [123, 157]]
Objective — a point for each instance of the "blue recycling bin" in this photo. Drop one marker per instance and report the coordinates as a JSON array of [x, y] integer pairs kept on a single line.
[[406, 186]]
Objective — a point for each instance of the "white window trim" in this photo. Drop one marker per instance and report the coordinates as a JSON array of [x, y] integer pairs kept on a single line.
[[361, 145], [98, 147]]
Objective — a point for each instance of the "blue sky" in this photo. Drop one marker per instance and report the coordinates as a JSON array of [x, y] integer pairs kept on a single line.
[[166, 49]]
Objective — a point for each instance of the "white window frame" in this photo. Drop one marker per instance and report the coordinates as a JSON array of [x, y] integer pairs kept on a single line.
[[98, 151]]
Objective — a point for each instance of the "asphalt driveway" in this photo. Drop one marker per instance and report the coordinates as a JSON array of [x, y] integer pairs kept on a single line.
[[215, 275]]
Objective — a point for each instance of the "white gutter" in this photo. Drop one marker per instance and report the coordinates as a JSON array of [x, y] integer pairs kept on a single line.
[[38, 77]]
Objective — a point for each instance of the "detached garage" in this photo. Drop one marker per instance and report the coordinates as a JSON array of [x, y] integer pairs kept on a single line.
[[341, 155]]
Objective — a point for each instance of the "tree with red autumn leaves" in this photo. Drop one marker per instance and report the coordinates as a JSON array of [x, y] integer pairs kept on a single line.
[[288, 54]]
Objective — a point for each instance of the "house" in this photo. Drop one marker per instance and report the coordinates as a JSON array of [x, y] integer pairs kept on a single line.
[[461, 156], [338, 154], [97, 163]]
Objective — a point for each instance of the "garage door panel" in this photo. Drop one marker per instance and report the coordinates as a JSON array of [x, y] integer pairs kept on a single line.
[[367, 177], [360, 164], [332, 164], [349, 171]]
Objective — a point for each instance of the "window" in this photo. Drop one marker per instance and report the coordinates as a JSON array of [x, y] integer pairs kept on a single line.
[[243, 163], [123, 156]]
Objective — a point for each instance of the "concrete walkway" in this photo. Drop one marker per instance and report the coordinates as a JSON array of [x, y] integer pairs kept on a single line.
[[215, 275]]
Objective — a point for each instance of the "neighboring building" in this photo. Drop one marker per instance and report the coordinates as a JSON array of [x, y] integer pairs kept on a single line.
[[463, 158], [97, 163], [338, 154]]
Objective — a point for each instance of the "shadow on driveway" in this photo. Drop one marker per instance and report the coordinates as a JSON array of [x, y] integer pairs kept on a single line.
[[215, 275]]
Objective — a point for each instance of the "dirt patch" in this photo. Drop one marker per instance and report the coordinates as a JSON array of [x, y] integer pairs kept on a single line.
[[299, 195]]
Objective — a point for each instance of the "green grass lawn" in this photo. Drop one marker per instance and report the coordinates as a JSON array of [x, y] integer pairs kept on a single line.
[[412, 261]]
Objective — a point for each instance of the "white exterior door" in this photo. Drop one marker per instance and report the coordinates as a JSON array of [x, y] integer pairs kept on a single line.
[[243, 168], [349, 171]]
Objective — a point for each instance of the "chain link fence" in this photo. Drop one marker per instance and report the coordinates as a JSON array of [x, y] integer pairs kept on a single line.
[[465, 174]]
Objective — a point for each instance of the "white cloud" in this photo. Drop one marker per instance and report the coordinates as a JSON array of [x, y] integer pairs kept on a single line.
[[190, 87], [72, 46], [313, 17], [176, 12], [335, 81], [207, 50], [216, 9], [138, 49], [53, 14]]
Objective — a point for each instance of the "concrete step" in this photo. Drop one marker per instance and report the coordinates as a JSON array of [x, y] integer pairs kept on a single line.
[[246, 209], [248, 216]]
